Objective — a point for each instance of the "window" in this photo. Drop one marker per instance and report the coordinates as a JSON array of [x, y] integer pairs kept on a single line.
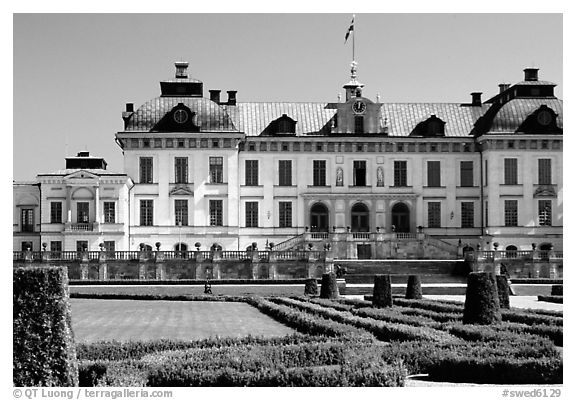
[[216, 213], [56, 246], [56, 212], [467, 214], [251, 214], [358, 124], [285, 173], [216, 172], [82, 212], [251, 178], [400, 173], [109, 246], [510, 212], [434, 214], [109, 212], [433, 173], [545, 212], [359, 173], [181, 212], [146, 212], [319, 173], [544, 171], [181, 169], [510, 171], [285, 214], [466, 173], [146, 170]]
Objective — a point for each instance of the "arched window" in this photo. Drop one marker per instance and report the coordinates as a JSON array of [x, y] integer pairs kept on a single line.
[[319, 218], [511, 251], [360, 218]]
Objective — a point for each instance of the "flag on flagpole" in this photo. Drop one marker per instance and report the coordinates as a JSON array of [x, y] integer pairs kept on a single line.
[[350, 29]]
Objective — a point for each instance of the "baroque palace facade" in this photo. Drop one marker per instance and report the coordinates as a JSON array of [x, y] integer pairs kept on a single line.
[[214, 171]]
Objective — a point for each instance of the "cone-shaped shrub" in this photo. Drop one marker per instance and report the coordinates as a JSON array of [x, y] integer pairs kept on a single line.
[[311, 287], [557, 290], [503, 291], [44, 353], [382, 295], [482, 306], [414, 287], [329, 288]]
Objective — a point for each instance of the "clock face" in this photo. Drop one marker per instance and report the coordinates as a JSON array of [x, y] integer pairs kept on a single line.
[[544, 118], [359, 107], [180, 116]]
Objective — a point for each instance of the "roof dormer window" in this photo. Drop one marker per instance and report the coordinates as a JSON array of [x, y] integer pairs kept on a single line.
[[432, 127]]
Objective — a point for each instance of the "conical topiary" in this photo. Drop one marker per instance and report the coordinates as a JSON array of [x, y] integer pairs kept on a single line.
[[382, 295], [557, 290], [503, 291], [329, 288], [311, 287], [482, 306], [414, 287]]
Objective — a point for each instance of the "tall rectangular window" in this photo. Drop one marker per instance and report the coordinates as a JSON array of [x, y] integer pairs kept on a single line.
[[544, 171], [467, 214], [358, 124], [56, 212], [466, 173], [433, 173], [285, 172], [510, 212], [251, 178], [27, 220], [181, 170], [359, 173], [545, 212], [400, 173], [216, 170], [56, 246], [434, 214], [82, 212], [181, 212], [109, 246], [146, 212], [285, 214], [319, 173], [216, 213], [146, 170], [251, 214], [510, 171], [109, 212]]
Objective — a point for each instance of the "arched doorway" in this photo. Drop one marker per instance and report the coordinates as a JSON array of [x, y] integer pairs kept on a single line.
[[181, 250], [544, 250], [319, 220], [360, 218], [401, 217]]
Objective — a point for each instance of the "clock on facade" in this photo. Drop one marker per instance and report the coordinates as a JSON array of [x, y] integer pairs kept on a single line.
[[180, 116], [359, 107]]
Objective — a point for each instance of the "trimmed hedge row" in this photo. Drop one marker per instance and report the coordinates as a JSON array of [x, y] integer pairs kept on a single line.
[[195, 282], [552, 299], [557, 290], [383, 330], [149, 296], [308, 364], [43, 342]]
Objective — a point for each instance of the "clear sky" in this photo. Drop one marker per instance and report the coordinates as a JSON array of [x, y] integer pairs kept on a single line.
[[73, 73]]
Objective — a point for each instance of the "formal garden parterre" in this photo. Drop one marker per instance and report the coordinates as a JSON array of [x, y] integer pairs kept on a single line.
[[339, 342]]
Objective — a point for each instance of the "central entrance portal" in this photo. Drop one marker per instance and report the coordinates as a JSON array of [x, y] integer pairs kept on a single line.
[[401, 217], [319, 221]]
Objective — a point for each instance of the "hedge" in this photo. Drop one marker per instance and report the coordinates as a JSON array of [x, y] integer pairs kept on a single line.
[[503, 291], [414, 287], [44, 353], [557, 290], [329, 288], [481, 306], [382, 294], [552, 299], [311, 287], [193, 282]]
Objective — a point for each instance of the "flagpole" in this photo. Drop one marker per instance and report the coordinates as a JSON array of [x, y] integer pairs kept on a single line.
[[354, 38]]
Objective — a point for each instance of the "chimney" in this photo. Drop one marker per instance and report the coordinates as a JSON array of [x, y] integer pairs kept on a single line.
[[181, 69], [504, 87], [129, 107], [126, 115], [232, 97], [215, 96], [531, 74], [476, 98]]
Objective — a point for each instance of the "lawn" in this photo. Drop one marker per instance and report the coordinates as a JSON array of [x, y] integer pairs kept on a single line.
[[123, 320]]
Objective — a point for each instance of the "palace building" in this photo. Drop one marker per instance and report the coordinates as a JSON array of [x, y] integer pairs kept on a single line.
[[201, 168]]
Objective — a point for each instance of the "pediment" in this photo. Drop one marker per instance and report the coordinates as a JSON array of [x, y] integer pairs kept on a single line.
[[81, 174], [545, 191], [181, 191]]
